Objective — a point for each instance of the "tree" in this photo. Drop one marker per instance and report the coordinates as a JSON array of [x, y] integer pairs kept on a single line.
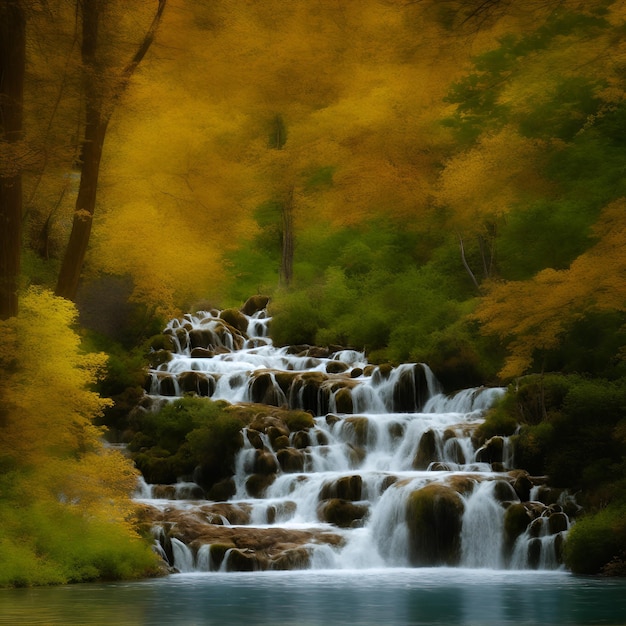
[[535, 315], [12, 70], [102, 92]]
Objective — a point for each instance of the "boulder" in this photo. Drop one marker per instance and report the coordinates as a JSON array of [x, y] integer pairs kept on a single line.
[[254, 304], [434, 519], [492, 451], [265, 463], [516, 520], [426, 451], [290, 460], [256, 484], [342, 513], [343, 401], [236, 319], [344, 488]]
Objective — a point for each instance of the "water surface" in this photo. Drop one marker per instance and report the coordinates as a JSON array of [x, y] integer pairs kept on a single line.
[[390, 597]]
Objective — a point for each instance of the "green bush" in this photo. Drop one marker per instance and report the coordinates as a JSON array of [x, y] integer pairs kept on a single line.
[[596, 540], [186, 434]]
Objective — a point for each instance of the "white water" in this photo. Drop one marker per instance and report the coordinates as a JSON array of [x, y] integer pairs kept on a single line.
[[397, 435]]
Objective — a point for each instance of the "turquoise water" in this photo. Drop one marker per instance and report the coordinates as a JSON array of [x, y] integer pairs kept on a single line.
[[389, 597]]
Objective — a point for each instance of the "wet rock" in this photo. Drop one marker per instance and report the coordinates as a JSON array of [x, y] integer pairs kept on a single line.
[[410, 392], [434, 518], [254, 304], [492, 451], [356, 429], [265, 463], [343, 401], [336, 367], [503, 491], [557, 522], [301, 440], [291, 460], [256, 484], [341, 513], [344, 488], [522, 484], [254, 437], [236, 319], [426, 451], [516, 520], [222, 490], [196, 382]]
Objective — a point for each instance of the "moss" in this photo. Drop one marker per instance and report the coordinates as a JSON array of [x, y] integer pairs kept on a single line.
[[434, 517]]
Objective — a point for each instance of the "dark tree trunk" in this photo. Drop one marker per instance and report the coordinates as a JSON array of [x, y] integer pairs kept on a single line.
[[12, 69], [97, 115]]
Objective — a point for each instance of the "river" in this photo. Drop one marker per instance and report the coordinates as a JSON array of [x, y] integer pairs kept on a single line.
[[390, 597]]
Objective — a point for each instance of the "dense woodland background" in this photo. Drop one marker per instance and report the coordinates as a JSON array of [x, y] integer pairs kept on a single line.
[[429, 180]]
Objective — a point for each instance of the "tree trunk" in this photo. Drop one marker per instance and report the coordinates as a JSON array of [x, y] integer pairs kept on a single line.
[[97, 115], [12, 69]]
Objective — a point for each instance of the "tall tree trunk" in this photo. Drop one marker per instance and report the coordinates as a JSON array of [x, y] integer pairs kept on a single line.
[[97, 115], [12, 69]]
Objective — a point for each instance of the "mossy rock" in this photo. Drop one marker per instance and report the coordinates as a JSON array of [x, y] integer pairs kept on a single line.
[[557, 522], [217, 551], [298, 420], [290, 460], [342, 513], [254, 304], [162, 342], [343, 401], [344, 488], [265, 463], [280, 443], [244, 560], [504, 492], [492, 451], [257, 484], [265, 390], [159, 357], [222, 490], [426, 450], [516, 521], [196, 382], [236, 319], [301, 440], [254, 437], [454, 450], [294, 558], [434, 518], [357, 428], [336, 367]]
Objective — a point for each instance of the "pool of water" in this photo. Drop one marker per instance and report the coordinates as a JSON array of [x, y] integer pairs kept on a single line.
[[313, 598]]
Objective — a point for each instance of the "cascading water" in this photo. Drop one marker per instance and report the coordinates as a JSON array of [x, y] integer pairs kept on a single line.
[[388, 475]]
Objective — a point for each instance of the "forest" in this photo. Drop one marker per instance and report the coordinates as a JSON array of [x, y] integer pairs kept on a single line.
[[436, 181]]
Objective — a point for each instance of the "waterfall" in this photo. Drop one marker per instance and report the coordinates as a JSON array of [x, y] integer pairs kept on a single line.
[[389, 475]]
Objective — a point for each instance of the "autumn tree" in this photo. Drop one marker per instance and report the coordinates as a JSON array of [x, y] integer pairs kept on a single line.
[[12, 150], [103, 87]]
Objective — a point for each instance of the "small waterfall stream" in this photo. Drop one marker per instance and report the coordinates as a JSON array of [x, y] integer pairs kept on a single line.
[[390, 474]]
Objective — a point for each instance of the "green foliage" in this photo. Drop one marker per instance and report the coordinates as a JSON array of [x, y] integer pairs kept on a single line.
[[569, 428], [52, 544], [187, 434], [597, 542]]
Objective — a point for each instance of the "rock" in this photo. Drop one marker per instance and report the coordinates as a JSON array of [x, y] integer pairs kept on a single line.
[[202, 353], [254, 304], [522, 484], [503, 491], [356, 372], [426, 451], [236, 319], [291, 460], [223, 490], [196, 382], [357, 428], [254, 437], [265, 463], [336, 367], [341, 513], [434, 517], [244, 560], [280, 443], [301, 440], [294, 558], [256, 484], [410, 392], [516, 520], [557, 522], [344, 488], [492, 451], [343, 401]]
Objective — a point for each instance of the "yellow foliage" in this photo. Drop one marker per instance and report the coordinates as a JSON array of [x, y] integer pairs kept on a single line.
[[47, 436], [534, 314], [485, 181]]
